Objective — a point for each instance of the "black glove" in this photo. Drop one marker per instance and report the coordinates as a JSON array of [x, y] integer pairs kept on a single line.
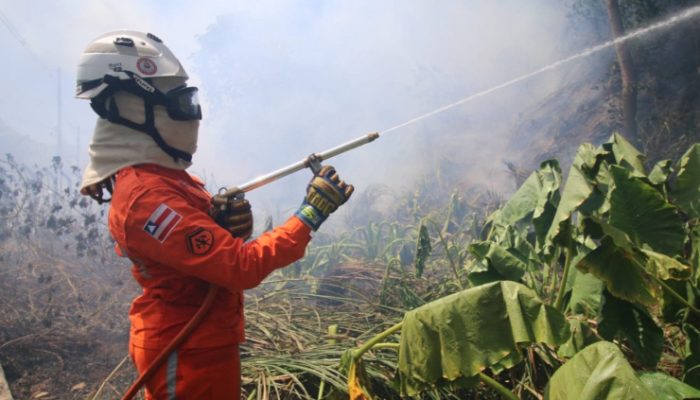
[[234, 215], [325, 193]]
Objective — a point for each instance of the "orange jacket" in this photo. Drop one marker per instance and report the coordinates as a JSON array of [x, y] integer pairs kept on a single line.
[[159, 219]]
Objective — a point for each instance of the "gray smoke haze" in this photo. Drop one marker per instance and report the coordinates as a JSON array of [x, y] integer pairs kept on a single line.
[[282, 79]]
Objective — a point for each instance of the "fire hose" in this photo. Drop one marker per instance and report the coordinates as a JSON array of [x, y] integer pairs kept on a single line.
[[314, 163]]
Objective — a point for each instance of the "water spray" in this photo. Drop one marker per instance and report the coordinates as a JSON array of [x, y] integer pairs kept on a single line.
[[314, 160], [677, 18]]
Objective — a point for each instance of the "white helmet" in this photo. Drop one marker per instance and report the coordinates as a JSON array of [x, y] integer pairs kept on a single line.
[[143, 54], [140, 64]]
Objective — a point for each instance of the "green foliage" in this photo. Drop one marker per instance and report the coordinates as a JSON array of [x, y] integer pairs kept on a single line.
[[586, 294], [461, 335], [668, 388], [625, 155], [661, 172], [609, 244], [536, 199], [598, 372], [686, 192], [633, 322], [514, 247], [615, 267], [639, 210], [582, 335], [580, 191], [499, 260]]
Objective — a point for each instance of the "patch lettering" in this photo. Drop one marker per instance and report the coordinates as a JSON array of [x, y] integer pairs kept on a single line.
[[162, 222], [200, 241]]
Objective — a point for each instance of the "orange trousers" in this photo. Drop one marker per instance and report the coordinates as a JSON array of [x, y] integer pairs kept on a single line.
[[211, 373]]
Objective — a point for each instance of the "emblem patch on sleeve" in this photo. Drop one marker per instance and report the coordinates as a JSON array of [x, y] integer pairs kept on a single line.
[[200, 241], [162, 222]]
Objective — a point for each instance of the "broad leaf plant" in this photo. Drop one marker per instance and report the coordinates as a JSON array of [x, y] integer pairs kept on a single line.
[[576, 281]]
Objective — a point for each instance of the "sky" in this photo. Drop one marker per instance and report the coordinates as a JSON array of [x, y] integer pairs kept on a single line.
[[282, 79]]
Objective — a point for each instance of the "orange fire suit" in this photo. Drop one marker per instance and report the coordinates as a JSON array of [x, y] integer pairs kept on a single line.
[[159, 219]]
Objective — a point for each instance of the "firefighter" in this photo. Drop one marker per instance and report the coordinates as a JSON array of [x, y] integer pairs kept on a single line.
[[163, 219]]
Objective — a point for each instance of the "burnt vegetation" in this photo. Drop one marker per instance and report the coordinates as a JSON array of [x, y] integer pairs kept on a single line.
[[63, 292]]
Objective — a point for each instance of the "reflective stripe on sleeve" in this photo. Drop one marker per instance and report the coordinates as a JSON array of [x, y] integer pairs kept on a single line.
[[170, 375]]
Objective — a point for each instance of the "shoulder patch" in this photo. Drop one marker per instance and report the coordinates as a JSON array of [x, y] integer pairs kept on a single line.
[[200, 241], [162, 222]]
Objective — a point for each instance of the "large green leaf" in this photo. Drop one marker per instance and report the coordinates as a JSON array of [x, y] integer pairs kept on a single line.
[[632, 322], [639, 210], [620, 271], [548, 202], [533, 194], [519, 246], [667, 387], [581, 336], [597, 228], [686, 191], [625, 154], [580, 190], [660, 173], [586, 293], [499, 259], [483, 276], [598, 372], [506, 256], [535, 201], [464, 333], [659, 265], [663, 266], [629, 272]]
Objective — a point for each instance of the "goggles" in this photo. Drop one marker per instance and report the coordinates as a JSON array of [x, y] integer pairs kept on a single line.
[[182, 104]]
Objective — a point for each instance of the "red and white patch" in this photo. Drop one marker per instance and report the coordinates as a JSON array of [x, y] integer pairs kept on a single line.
[[162, 222], [146, 66]]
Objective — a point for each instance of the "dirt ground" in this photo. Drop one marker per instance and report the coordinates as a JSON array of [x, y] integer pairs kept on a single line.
[[63, 324], [57, 366]]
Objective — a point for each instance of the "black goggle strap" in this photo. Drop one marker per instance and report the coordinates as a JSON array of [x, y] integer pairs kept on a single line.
[[150, 99]]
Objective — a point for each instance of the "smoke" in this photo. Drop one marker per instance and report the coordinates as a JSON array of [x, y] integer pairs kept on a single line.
[[282, 79], [282, 82]]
